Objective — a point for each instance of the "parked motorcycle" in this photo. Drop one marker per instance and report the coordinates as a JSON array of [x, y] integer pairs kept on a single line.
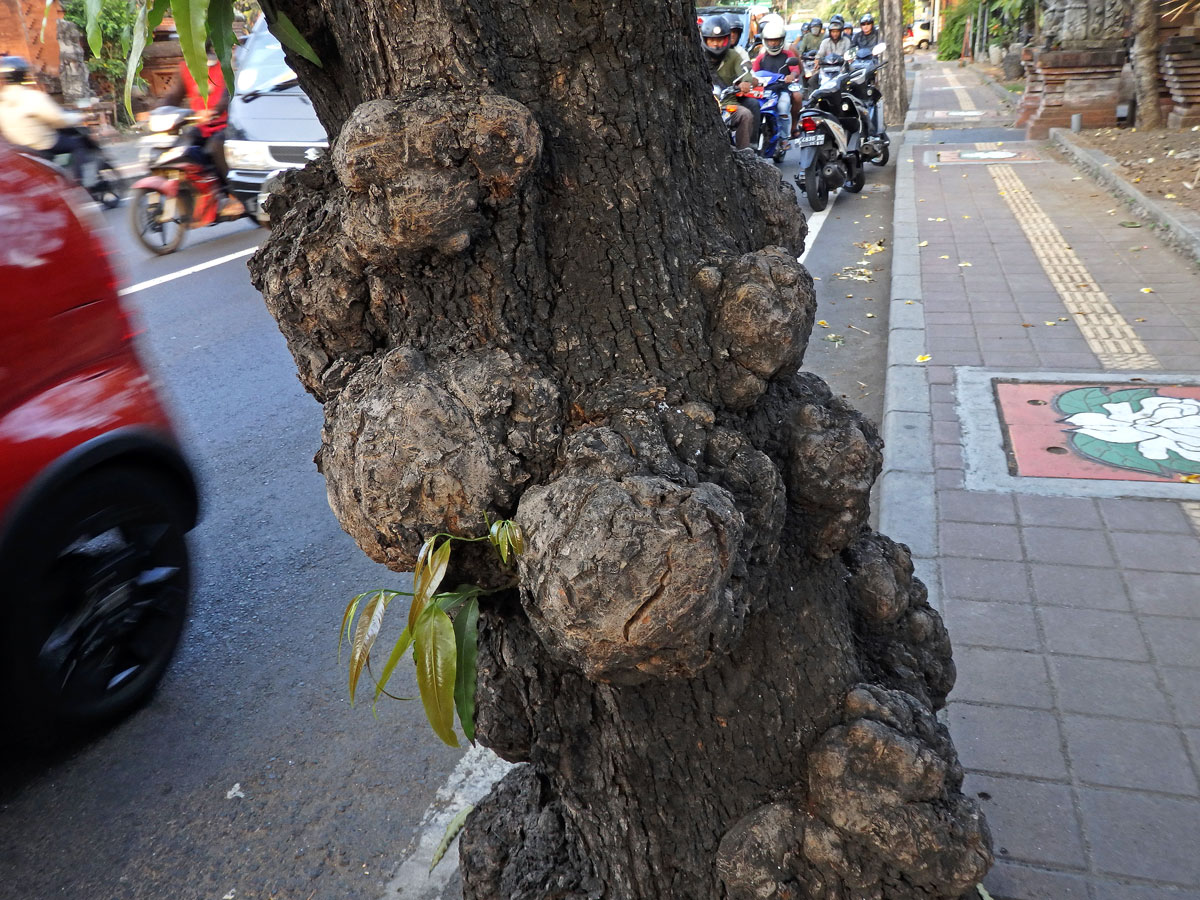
[[861, 86], [832, 126], [182, 191]]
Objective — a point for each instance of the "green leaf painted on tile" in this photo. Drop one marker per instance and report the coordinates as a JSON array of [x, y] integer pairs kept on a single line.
[[1121, 456]]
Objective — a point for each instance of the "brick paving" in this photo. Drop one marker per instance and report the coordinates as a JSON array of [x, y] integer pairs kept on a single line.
[[1075, 616]]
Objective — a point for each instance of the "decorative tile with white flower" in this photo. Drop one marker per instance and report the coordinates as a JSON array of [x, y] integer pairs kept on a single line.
[[1132, 432]]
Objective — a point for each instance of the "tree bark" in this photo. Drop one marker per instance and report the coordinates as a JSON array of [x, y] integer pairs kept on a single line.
[[533, 280], [893, 82], [1145, 63]]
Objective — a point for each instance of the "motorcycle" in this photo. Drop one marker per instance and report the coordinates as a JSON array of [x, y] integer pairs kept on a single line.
[[766, 90], [832, 125], [861, 86], [97, 175], [182, 191]]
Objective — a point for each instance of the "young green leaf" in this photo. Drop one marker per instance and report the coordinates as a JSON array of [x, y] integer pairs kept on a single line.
[[281, 26], [452, 829], [516, 537], [220, 30], [191, 23], [347, 618], [135, 57], [158, 9], [466, 637], [434, 650], [494, 533], [505, 543], [397, 654], [369, 622], [91, 9]]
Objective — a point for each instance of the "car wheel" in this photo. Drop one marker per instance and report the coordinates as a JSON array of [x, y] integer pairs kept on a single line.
[[100, 582]]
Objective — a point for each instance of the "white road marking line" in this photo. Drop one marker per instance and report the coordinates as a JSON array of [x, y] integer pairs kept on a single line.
[[191, 270], [816, 222], [469, 783]]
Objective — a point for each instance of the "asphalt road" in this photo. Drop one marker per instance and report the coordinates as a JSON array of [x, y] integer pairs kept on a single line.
[[249, 775]]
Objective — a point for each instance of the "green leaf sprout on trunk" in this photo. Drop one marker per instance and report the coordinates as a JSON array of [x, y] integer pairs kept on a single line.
[[442, 629]]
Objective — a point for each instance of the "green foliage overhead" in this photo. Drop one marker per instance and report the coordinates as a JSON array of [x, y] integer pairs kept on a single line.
[[196, 22]]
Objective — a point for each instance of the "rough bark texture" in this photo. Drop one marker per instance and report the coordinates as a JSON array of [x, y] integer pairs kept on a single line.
[[892, 80], [1145, 63], [533, 280]]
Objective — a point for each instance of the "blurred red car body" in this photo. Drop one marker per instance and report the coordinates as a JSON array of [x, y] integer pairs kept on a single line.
[[95, 494]]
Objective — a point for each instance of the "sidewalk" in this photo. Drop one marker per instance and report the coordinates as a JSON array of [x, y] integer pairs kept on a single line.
[[1067, 566]]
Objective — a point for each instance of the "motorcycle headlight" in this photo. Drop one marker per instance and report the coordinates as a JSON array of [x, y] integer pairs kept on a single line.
[[248, 155]]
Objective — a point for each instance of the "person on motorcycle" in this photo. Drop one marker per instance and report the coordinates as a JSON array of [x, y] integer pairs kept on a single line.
[[837, 43], [811, 39], [728, 65], [776, 58], [31, 119], [867, 36], [211, 117]]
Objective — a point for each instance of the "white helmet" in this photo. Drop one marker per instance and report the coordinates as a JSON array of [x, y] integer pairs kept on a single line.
[[773, 35]]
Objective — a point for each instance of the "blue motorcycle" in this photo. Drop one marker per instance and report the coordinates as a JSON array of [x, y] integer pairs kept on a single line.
[[767, 88]]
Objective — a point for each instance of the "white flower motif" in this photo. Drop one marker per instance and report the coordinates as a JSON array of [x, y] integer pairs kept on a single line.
[[1162, 424]]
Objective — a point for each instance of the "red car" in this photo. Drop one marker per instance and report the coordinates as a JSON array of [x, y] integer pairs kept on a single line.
[[95, 495]]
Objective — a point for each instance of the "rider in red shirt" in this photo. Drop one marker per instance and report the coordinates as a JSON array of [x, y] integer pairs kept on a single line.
[[211, 117]]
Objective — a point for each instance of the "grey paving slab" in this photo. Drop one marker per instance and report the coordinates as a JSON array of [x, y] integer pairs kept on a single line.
[[1164, 593], [981, 623], [967, 578], [1143, 835], [1060, 585], [1106, 687], [1031, 821], [1092, 632], [1008, 741], [1121, 753], [1009, 677], [1175, 642]]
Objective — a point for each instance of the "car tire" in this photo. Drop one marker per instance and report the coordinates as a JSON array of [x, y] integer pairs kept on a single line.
[[99, 580]]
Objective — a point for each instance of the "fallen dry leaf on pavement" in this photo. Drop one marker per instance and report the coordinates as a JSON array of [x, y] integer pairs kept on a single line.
[[1190, 479], [1147, 290], [822, 323], [836, 339], [924, 357], [870, 315], [1130, 224], [923, 244], [964, 265]]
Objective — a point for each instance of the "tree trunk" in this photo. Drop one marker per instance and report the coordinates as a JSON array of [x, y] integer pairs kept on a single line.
[[532, 279], [892, 79], [1145, 63]]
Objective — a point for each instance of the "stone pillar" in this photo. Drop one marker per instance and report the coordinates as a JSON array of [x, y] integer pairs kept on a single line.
[[1079, 71], [73, 72], [1180, 63], [1087, 82], [1034, 85]]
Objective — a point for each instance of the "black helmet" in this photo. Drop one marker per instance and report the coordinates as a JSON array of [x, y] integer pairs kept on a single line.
[[867, 19], [816, 23], [715, 27], [13, 69], [838, 23]]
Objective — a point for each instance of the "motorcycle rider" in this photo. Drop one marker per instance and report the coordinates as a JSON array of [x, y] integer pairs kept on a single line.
[[211, 116], [811, 39], [30, 118], [729, 65], [836, 43], [867, 36], [775, 58]]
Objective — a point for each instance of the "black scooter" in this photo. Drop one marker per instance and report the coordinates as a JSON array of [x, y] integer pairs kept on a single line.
[[861, 86], [832, 126]]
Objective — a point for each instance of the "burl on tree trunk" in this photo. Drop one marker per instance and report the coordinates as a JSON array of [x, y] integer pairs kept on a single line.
[[532, 279]]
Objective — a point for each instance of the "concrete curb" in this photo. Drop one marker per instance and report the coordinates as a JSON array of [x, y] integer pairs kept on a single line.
[[907, 504], [1180, 228]]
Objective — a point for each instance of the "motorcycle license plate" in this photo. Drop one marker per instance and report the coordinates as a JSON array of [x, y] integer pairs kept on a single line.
[[815, 139]]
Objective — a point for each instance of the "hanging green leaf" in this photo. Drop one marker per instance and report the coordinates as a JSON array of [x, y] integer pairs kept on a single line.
[[466, 637], [369, 622], [220, 31], [393, 660], [95, 41], [434, 650], [135, 56], [454, 826], [289, 35], [191, 23], [158, 9]]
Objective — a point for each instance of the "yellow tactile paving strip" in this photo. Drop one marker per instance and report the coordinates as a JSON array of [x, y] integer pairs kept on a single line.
[[964, 99], [1106, 331]]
